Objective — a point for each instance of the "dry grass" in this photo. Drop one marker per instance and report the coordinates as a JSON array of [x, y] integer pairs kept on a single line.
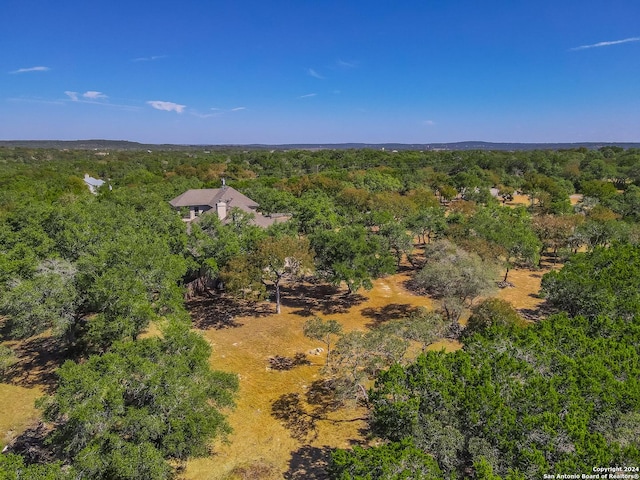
[[18, 411], [262, 446], [245, 347], [524, 293]]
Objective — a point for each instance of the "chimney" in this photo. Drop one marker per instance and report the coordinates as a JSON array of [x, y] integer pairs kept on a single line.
[[221, 210]]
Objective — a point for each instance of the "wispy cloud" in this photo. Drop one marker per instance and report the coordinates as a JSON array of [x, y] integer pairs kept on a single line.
[[31, 69], [148, 59], [216, 112], [429, 123], [167, 106], [314, 74], [204, 115], [308, 95], [93, 95], [606, 44], [89, 95], [343, 64]]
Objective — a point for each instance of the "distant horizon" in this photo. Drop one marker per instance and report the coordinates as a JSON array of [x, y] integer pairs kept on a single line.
[[271, 73], [461, 145]]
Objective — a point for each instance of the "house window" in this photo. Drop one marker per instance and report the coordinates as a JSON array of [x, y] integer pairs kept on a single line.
[[196, 210]]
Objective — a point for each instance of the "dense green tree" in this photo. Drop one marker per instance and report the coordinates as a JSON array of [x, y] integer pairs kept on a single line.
[[351, 255], [615, 290], [122, 414], [520, 401], [376, 180], [48, 300], [601, 190], [128, 280], [628, 204], [272, 200], [392, 461], [315, 211], [551, 195], [13, 467]]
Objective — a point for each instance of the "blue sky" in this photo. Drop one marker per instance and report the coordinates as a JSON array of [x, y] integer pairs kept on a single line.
[[288, 71]]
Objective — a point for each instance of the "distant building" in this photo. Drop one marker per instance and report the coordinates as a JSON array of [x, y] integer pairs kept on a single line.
[[221, 201], [93, 183]]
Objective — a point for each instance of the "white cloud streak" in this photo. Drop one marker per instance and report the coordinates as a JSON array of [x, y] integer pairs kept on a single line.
[[308, 95], [149, 59], [314, 74], [31, 69], [96, 98], [93, 95], [217, 112], [606, 44], [343, 64], [167, 106], [89, 95]]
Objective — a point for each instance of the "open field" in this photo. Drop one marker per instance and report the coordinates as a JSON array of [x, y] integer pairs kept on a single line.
[[243, 337], [260, 442]]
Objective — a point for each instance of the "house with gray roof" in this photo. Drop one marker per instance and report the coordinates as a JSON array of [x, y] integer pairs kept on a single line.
[[93, 183], [220, 201]]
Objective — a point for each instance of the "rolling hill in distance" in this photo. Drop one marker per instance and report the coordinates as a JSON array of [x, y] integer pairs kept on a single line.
[[468, 145]]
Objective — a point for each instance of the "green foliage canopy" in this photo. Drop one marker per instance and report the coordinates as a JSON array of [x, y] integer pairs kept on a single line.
[[142, 403]]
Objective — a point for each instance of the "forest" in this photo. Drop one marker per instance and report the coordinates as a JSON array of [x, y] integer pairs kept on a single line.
[[101, 281]]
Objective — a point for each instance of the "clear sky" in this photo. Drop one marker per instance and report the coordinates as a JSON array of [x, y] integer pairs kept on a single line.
[[302, 71]]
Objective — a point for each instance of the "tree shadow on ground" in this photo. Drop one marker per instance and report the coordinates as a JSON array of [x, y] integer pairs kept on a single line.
[[309, 463], [38, 359], [323, 298], [220, 311], [321, 395], [412, 286], [392, 311], [542, 311], [300, 416], [290, 410], [31, 444]]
